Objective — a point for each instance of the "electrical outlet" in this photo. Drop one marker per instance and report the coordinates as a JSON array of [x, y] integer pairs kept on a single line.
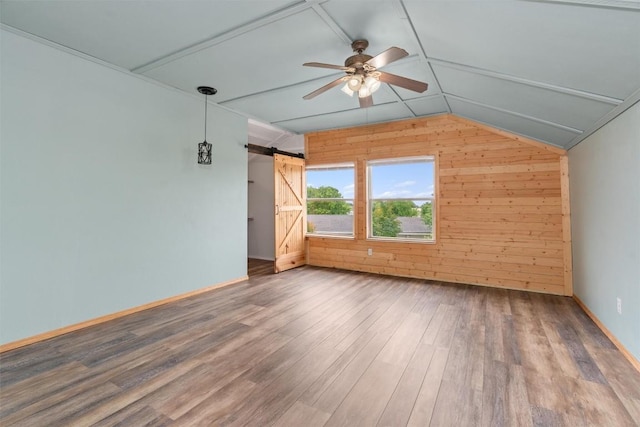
[[619, 305], [369, 251]]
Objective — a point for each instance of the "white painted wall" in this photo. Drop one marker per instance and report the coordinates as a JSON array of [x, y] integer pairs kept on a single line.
[[604, 172], [261, 208], [103, 206]]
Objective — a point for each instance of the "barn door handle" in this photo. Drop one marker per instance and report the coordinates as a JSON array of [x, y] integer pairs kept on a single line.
[[277, 210]]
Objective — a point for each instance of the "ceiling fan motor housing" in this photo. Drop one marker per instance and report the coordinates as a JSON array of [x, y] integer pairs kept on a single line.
[[357, 61]]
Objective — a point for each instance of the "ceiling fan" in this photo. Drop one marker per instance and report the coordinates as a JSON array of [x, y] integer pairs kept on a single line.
[[363, 76]]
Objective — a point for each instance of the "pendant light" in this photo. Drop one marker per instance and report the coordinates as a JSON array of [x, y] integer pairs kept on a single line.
[[204, 148]]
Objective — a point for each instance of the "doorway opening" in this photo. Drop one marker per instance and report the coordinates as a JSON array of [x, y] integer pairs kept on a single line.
[[268, 209]]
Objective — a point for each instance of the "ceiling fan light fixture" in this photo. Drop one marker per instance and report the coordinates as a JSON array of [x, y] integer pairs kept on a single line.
[[372, 83], [354, 83], [362, 75], [346, 89], [364, 92]]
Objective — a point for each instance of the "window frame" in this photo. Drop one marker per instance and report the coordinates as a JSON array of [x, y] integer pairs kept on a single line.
[[370, 199], [343, 165]]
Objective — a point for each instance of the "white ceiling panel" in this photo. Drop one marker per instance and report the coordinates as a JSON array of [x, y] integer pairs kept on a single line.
[[259, 60], [428, 106], [540, 131], [547, 69], [355, 117], [132, 33], [594, 49], [381, 22], [552, 106], [269, 105]]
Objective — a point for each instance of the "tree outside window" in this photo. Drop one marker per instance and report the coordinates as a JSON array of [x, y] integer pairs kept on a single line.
[[330, 195], [401, 198]]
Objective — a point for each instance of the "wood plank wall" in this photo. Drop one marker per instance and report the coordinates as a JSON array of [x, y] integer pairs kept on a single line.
[[502, 215]]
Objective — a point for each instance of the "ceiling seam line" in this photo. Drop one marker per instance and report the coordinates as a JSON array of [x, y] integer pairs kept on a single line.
[[226, 36], [604, 120], [411, 109], [395, 94], [319, 10], [513, 113], [554, 88], [398, 101], [332, 112], [602, 4], [279, 88], [423, 53]]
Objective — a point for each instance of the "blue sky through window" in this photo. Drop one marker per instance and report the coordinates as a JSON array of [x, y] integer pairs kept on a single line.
[[402, 180], [389, 180]]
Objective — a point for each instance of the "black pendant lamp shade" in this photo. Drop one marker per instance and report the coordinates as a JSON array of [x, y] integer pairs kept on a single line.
[[204, 148]]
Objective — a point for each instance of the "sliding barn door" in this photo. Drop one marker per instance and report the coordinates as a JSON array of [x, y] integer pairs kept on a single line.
[[290, 190]]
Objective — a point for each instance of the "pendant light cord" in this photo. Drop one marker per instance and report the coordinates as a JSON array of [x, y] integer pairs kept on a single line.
[[205, 118]]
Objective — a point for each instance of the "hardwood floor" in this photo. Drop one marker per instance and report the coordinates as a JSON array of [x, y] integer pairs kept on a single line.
[[314, 347], [259, 267]]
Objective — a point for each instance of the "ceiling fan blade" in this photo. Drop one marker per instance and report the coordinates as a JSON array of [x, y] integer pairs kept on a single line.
[[365, 102], [331, 66], [324, 88], [387, 57], [404, 82]]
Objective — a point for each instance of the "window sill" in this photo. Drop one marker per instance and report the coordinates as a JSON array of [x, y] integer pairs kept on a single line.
[[396, 240], [328, 236]]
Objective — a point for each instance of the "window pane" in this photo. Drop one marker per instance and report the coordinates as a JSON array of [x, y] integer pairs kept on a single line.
[[333, 217], [420, 226], [401, 199], [402, 219], [332, 224], [325, 183], [407, 180]]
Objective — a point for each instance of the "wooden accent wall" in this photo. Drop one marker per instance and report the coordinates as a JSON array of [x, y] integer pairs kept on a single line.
[[502, 216]]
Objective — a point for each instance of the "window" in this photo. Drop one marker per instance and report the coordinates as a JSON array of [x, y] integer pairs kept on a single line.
[[330, 191], [401, 203]]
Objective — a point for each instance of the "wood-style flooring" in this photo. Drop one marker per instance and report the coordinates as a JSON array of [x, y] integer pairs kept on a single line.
[[258, 267], [321, 347]]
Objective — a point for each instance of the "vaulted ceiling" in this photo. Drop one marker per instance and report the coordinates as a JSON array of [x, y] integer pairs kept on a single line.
[[552, 70]]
